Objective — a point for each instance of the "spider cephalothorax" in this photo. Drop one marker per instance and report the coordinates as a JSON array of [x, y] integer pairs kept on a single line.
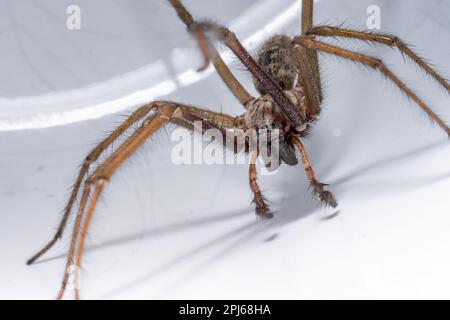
[[265, 117], [287, 75], [264, 114]]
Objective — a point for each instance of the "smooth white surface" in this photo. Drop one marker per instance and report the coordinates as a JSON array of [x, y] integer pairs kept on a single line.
[[166, 231], [92, 98]]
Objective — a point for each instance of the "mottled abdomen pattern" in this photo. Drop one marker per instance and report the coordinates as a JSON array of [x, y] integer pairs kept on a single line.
[[276, 58]]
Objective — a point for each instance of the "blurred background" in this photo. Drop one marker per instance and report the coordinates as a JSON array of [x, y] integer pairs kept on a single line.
[[189, 231]]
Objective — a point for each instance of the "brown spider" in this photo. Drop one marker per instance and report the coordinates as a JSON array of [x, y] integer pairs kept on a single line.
[[286, 74]]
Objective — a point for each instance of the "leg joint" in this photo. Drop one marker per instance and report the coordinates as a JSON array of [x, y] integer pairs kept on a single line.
[[88, 160], [376, 63], [217, 30], [97, 179], [396, 41]]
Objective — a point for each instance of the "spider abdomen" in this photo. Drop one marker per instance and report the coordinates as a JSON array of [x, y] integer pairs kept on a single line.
[[277, 59]]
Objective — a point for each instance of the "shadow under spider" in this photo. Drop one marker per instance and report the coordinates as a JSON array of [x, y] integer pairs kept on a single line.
[[396, 158], [177, 260], [250, 230], [253, 229], [296, 206], [161, 231], [292, 208]]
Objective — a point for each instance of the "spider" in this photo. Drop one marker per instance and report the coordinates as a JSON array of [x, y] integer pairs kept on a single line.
[[287, 76]]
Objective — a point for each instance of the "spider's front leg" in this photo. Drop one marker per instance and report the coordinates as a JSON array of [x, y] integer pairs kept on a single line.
[[262, 207], [90, 159], [94, 185], [324, 195], [97, 181]]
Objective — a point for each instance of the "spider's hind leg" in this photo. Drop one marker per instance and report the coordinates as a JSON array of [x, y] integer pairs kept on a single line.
[[376, 64], [386, 39]]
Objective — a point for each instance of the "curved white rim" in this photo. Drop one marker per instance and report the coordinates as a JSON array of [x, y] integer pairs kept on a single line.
[[56, 109]]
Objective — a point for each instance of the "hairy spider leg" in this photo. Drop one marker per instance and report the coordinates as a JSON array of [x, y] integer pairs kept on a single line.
[[312, 74], [166, 112], [374, 63], [324, 195], [91, 158], [386, 39]]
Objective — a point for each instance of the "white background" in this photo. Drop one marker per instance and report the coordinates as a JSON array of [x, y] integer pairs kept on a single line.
[[166, 231]]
